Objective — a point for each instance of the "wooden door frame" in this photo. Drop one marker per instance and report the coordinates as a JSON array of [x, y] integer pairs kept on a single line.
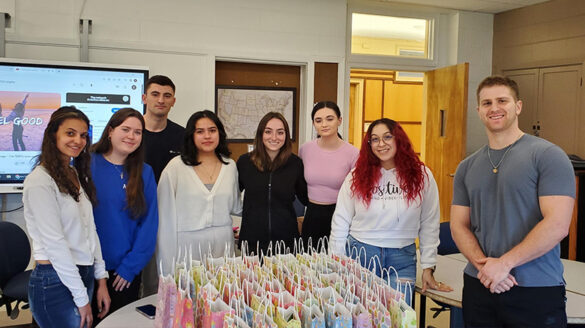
[[358, 114]]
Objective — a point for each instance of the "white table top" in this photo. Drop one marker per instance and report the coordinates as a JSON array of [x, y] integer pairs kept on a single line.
[[450, 271], [575, 276], [128, 317]]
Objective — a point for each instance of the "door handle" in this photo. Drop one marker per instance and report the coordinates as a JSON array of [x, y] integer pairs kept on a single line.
[[452, 175]]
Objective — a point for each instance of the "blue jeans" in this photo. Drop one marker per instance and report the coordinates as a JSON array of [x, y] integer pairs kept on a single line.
[[51, 302], [403, 260]]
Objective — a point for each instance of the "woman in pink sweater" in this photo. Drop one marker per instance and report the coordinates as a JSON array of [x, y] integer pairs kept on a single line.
[[327, 160]]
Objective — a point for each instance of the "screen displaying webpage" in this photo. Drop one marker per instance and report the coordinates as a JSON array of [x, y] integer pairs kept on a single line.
[[29, 94]]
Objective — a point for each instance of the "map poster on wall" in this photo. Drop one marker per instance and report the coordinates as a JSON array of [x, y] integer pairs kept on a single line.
[[240, 109]]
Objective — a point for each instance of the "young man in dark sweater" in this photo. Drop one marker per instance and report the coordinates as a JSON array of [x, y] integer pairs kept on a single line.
[[163, 139]]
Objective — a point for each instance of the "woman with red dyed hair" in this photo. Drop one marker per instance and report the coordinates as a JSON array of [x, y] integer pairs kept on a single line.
[[385, 203]]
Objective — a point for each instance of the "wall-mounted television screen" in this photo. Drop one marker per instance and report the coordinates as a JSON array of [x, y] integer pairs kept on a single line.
[[31, 91]]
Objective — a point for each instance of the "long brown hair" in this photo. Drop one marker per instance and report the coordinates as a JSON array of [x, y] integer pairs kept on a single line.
[[259, 155], [51, 158], [133, 165]]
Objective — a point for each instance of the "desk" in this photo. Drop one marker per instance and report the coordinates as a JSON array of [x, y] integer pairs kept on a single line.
[[450, 271], [128, 317]]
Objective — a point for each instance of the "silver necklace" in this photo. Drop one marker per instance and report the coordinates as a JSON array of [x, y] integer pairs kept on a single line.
[[119, 171], [121, 174], [495, 167]]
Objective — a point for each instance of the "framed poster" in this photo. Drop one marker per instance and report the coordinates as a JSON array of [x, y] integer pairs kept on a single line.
[[240, 109]]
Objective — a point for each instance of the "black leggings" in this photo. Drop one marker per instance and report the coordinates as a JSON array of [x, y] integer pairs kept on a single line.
[[317, 223], [119, 299]]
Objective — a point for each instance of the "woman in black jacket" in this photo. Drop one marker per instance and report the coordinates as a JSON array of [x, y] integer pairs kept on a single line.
[[271, 176]]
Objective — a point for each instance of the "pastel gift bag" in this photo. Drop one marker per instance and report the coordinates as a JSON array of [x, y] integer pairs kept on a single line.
[[403, 316], [236, 318], [283, 299], [249, 260], [287, 318], [188, 318], [261, 317], [311, 315], [381, 317], [214, 308], [207, 293], [183, 317], [215, 317], [336, 314], [166, 300], [360, 317]]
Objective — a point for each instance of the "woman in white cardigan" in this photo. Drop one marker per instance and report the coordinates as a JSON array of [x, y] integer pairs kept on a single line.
[[197, 193]]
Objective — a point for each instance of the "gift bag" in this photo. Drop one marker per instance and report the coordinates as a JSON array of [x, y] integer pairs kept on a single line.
[[213, 317], [403, 316], [184, 317], [249, 260], [311, 316], [262, 304], [207, 294], [287, 318], [283, 299], [329, 295], [380, 315], [165, 301], [239, 319], [360, 317], [249, 288], [292, 283], [235, 322], [262, 318], [337, 316], [329, 279], [377, 306], [336, 313]]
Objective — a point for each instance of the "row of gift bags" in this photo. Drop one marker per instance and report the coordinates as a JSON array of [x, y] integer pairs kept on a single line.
[[280, 290]]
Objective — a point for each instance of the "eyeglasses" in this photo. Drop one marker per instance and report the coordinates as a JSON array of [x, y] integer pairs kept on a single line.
[[376, 140]]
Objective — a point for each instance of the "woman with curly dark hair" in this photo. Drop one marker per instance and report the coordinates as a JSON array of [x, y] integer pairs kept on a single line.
[[385, 203], [198, 192], [58, 196]]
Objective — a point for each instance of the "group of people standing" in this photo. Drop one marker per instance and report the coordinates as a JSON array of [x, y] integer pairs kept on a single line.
[[98, 213]]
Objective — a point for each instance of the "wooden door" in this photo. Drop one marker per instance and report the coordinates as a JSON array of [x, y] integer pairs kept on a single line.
[[444, 127], [559, 106], [527, 80]]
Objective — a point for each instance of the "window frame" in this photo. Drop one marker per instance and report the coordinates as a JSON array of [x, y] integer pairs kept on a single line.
[[393, 60]]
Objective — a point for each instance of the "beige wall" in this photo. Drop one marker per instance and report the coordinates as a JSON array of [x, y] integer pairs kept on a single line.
[[547, 34]]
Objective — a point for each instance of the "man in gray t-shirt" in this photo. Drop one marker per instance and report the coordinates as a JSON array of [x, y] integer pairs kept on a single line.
[[512, 205]]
